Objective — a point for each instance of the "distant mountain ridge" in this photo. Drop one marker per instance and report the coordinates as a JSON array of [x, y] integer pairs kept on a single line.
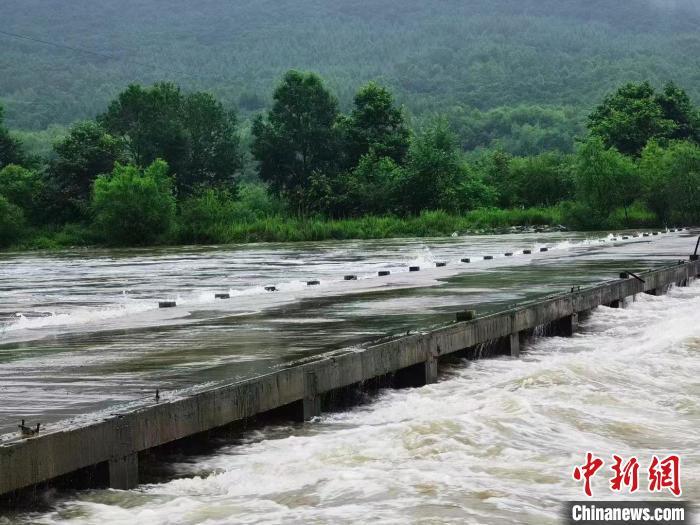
[[435, 55]]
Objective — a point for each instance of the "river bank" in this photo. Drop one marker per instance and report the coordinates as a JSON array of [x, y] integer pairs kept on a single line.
[[278, 228]]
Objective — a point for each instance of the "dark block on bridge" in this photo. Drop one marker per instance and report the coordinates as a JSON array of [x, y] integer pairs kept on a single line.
[[440, 264], [508, 254], [625, 238], [527, 252], [313, 283], [655, 233], [624, 275], [414, 268], [544, 249], [383, 273], [350, 277], [466, 315], [167, 304], [488, 257], [222, 296], [645, 235], [270, 288], [466, 260], [695, 257]]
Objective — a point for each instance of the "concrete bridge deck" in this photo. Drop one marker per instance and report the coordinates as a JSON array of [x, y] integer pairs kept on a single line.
[[115, 443]]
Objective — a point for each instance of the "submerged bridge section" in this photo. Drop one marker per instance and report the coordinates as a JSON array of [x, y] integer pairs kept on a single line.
[[303, 390]]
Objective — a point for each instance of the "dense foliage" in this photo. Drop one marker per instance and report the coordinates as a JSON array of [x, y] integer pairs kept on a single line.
[[193, 131], [162, 165], [520, 75], [133, 206]]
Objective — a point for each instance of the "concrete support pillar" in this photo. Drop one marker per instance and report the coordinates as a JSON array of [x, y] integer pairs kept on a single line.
[[615, 304], [569, 325], [311, 404], [514, 344], [124, 472], [418, 375], [431, 369]]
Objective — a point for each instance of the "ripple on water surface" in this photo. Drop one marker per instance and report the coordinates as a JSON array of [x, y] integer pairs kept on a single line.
[[493, 442]]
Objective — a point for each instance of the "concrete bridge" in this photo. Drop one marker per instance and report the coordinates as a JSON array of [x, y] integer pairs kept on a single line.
[[112, 446]]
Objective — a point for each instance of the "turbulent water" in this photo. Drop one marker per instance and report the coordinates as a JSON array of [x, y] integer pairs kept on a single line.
[[81, 331], [494, 441]]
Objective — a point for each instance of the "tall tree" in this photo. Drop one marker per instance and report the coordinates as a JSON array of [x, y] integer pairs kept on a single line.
[[22, 187], [214, 154], [433, 171], [10, 148], [193, 133], [298, 137], [376, 125], [629, 118], [85, 153], [677, 107], [605, 179], [671, 178]]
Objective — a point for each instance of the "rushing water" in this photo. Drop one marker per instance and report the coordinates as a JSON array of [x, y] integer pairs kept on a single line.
[[492, 442], [81, 331]]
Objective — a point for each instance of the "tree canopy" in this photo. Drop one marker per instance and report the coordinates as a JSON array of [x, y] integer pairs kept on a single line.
[[532, 62], [298, 137], [635, 114], [11, 151], [192, 132]]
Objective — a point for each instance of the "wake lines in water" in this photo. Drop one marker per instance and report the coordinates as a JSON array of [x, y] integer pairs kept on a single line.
[[384, 273], [417, 264]]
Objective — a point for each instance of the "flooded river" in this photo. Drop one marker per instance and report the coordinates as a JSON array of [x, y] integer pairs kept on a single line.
[[491, 442]]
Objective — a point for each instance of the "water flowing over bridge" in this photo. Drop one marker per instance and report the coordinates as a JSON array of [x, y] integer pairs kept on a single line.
[[106, 452]]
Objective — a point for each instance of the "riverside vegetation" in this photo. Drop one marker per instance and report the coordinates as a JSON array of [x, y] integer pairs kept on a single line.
[[161, 165]]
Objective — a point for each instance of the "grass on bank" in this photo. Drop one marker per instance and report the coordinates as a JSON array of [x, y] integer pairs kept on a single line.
[[278, 228]]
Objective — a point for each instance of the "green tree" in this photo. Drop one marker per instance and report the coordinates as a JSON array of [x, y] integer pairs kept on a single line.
[[494, 168], [204, 215], [298, 137], [11, 151], [541, 180], [193, 133], [605, 179], [214, 154], [372, 187], [671, 178], [629, 118], [473, 193], [11, 222], [377, 125], [87, 152], [132, 206], [433, 170], [21, 187], [677, 107]]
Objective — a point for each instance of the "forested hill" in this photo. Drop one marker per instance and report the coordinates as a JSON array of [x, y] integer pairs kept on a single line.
[[447, 56]]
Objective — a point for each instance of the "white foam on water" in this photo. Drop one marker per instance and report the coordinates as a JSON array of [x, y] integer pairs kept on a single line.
[[199, 294], [493, 442], [77, 316]]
